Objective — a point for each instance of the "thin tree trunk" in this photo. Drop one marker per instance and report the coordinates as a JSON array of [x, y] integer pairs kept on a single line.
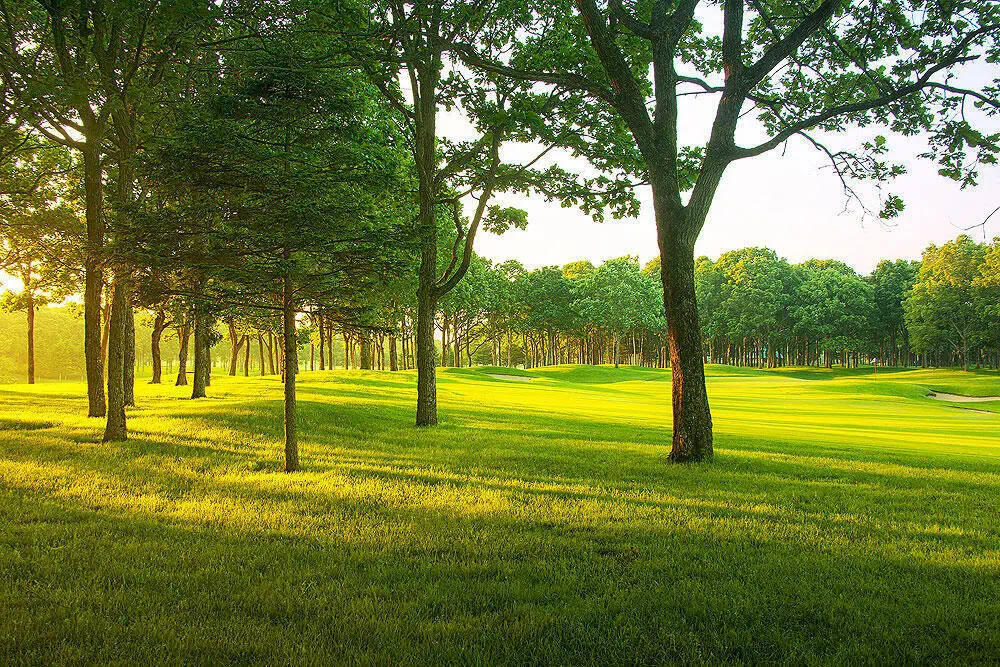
[[128, 371], [425, 153], [235, 342], [159, 325], [29, 290], [93, 273], [260, 352], [270, 353], [329, 345], [183, 335], [291, 365], [107, 330], [322, 344], [115, 428], [246, 356]]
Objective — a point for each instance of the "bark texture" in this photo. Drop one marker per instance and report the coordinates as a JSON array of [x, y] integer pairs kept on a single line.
[[291, 366], [159, 325], [201, 357], [93, 279], [183, 336], [115, 428], [692, 418]]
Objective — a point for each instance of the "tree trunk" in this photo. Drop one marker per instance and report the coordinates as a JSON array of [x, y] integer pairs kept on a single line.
[[291, 365], [235, 343], [270, 353], [329, 345], [107, 330], [31, 329], [246, 356], [425, 157], [183, 335], [128, 371], [260, 352], [159, 325], [201, 356], [393, 358], [366, 352], [692, 436], [322, 344], [115, 428], [93, 275]]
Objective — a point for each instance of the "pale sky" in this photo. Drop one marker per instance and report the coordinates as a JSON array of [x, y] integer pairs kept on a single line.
[[792, 203]]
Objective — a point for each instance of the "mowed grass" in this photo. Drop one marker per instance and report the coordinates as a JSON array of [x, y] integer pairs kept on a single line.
[[846, 518]]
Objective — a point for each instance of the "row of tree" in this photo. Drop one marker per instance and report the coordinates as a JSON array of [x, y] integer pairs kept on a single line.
[[757, 309], [270, 162]]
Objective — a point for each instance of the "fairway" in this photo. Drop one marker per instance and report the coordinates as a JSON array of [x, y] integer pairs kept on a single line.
[[846, 517]]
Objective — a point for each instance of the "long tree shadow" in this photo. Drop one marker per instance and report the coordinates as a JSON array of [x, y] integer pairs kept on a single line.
[[426, 585]]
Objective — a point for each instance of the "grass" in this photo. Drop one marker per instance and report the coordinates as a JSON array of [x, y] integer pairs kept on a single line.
[[845, 518]]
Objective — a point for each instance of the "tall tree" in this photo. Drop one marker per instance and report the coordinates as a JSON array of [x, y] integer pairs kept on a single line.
[[73, 68], [892, 282], [40, 230], [412, 41], [944, 306], [291, 169]]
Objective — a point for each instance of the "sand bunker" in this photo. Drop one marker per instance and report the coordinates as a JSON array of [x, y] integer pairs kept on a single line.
[[958, 398], [512, 378]]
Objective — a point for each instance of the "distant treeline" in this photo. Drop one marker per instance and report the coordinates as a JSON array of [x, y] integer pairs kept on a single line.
[[756, 308]]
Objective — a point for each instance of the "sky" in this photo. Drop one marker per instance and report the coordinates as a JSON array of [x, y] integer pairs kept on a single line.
[[790, 202]]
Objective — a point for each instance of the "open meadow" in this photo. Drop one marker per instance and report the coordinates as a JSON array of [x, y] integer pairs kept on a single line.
[[845, 518]]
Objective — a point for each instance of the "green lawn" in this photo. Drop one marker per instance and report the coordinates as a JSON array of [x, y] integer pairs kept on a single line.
[[845, 518]]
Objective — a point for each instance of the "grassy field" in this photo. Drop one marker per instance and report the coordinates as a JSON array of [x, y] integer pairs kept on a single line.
[[845, 518]]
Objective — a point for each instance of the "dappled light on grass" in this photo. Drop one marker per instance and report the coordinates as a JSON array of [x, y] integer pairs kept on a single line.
[[539, 514]]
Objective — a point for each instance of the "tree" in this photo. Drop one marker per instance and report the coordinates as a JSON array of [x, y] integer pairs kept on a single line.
[[944, 307], [892, 282], [289, 170], [412, 41], [73, 71], [40, 231], [754, 299], [796, 68], [835, 308], [619, 298]]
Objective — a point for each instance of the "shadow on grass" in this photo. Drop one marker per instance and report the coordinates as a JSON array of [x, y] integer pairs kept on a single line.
[[376, 583], [508, 535]]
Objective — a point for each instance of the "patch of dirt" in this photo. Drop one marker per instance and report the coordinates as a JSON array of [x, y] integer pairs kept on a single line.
[[511, 378], [959, 398]]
